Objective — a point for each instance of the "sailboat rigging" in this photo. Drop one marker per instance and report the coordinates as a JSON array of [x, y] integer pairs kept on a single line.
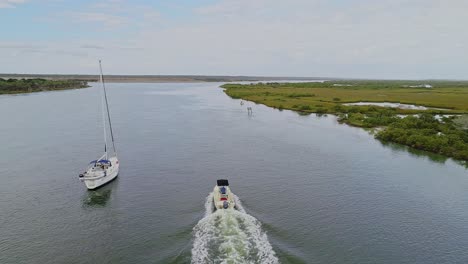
[[104, 169]]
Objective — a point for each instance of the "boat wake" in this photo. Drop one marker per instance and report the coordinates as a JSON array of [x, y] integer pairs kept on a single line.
[[230, 236]]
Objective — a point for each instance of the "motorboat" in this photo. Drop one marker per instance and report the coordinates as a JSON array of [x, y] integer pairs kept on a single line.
[[222, 195]]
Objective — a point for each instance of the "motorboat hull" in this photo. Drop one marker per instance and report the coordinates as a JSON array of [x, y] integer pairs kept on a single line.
[[223, 198]]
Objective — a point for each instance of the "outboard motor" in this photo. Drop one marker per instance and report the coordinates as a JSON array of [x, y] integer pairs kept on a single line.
[[225, 205]]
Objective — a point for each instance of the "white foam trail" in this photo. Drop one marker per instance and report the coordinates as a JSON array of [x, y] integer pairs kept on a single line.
[[209, 206], [230, 236], [238, 203]]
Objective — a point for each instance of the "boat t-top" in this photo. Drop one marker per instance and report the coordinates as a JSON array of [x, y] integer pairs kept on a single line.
[[106, 168], [222, 195]]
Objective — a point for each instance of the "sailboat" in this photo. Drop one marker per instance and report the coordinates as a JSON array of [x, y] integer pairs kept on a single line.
[[106, 168]]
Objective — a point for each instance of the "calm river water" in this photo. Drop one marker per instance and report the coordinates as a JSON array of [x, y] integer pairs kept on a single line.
[[312, 191]]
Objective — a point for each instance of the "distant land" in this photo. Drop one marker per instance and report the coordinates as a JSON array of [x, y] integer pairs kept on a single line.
[[154, 78]]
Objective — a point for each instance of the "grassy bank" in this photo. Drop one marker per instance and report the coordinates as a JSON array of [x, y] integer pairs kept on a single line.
[[329, 97], [446, 136], [15, 86]]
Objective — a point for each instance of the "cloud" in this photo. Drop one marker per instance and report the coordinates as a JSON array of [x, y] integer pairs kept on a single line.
[[109, 5], [151, 15], [112, 15], [18, 46], [361, 38], [70, 52], [10, 3], [109, 47], [87, 46], [238, 7], [19, 49], [358, 39], [105, 19]]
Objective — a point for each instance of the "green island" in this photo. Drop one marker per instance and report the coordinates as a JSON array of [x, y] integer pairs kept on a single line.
[[15, 86], [432, 116]]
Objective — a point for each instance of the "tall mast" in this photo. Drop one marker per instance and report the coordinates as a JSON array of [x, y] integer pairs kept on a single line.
[[107, 107], [101, 79]]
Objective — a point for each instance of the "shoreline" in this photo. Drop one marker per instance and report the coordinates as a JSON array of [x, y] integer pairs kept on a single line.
[[41, 91], [419, 130], [25, 86], [155, 78]]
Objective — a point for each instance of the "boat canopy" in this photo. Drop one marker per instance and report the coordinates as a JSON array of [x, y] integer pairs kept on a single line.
[[100, 161], [222, 182]]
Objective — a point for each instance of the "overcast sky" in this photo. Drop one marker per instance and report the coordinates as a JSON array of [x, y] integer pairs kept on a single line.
[[328, 38]]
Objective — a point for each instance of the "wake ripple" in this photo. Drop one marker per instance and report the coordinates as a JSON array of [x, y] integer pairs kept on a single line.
[[230, 236]]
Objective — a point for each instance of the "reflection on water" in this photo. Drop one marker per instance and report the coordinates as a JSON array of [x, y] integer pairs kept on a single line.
[[396, 105], [97, 198], [415, 152], [303, 113]]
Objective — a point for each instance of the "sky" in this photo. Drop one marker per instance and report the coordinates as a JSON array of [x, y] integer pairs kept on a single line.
[[392, 39]]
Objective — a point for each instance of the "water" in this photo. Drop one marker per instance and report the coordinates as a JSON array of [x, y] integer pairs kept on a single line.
[[396, 105], [312, 191]]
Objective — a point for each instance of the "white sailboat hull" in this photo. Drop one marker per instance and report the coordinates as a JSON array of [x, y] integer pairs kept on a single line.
[[95, 178], [92, 184]]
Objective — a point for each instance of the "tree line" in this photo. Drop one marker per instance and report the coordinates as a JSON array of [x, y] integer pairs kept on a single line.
[[38, 84], [423, 131]]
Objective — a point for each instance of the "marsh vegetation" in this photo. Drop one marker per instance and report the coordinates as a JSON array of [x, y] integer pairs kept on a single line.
[[418, 128], [14, 86], [326, 97]]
